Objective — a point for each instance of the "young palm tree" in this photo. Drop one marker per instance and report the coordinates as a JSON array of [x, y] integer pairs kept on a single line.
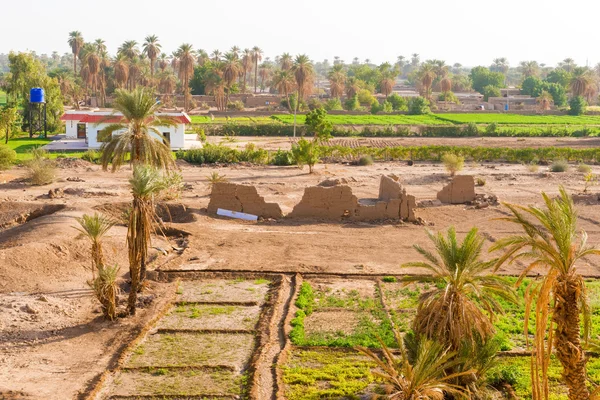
[[551, 240], [544, 100], [94, 227], [106, 289], [454, 312], [257, 55], [76, 43], [140, 121], [146, 184], [186, 70], [152, 50], [422, 379]]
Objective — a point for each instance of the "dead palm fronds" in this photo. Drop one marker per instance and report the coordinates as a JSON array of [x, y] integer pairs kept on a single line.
[[551, 241]]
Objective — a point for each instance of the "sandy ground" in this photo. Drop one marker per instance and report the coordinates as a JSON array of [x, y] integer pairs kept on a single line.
[[53, 342]]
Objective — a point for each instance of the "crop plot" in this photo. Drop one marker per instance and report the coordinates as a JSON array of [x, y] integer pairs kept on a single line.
[[202, 347]]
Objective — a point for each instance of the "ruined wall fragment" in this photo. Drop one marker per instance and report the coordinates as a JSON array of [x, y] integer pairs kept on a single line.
[[241, 198], [460, 190]]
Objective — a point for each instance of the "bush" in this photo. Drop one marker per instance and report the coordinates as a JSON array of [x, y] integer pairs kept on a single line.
[[387, 107], [7, 157], [453, 163], [333, 104], [376, 107], [282, 158], [365, 160], [306, 153], [584, 168], [389, 279], [398, 102], [237, 105], [365, 97], [314, 104], [418, 106], [577, 106], [533, 167], [559, 166], [490, 91], [352, 103], [491, 129], [480, 182], [41, 170], [92, 156]]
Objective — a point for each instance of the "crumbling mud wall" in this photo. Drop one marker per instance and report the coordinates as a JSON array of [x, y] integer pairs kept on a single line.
[[460, 190], [241, 198], [338, 202]]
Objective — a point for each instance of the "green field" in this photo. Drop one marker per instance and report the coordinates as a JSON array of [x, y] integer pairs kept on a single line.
[[395, 119], [23, 145], [510, 119]]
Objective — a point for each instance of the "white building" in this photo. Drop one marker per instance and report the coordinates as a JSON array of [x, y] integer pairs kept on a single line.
[[89, 125]]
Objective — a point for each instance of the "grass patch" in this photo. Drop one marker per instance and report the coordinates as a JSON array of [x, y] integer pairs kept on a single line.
[[519, 119]]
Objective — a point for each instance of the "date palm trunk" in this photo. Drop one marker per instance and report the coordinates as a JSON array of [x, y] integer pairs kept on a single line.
[[568, 336]]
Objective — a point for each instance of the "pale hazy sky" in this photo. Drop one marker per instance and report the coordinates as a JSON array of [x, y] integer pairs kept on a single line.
[[471, 32]]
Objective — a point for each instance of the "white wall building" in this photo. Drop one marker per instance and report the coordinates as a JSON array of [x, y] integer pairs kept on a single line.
[[89, 126]]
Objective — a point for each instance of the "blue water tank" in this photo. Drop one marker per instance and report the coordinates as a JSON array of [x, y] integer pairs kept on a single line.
[[36, 95]]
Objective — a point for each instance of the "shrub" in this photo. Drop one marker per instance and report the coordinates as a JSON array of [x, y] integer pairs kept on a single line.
[[559, 166], [352, 103], [7, 157], [491, 129], [41, 170], [237, 105], [387, 107], [480, 182], [365, 97], [365, 160], [533, 167], [306, 153], [253, 154], [490, 91], [389, 279], [398, 102], [92, 156], [418, 106], [173, 186], [589, 179], [333, 104], [282, 158], [453, 163], [471, 130], [584, 168], [314, 104], [577, 106], [376, 107]]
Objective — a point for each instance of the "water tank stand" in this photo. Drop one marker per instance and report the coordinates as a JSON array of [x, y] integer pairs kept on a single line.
[[38, 122]]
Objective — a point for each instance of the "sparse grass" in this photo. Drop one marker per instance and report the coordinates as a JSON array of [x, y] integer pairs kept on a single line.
[[389, 279], [40, 169], [453, 163], [533, 167], [261, 281], [215, 178], [584, 168], [7, 157], [590, 179], [480, 182], [365, 161], [559, 166]]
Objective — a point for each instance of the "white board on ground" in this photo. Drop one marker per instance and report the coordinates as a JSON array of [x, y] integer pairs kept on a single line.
[[238, 215]]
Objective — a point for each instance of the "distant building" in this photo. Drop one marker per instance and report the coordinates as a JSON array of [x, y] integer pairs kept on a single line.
[[89, 126]]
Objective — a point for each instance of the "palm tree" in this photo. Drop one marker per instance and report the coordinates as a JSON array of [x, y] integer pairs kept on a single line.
[[552, 240], [423, 378], [129, 49], [146, 184], [388, 78], [264, 71], [140, 121], [121, 71], [544, 100], [76, 42], [246, 66], [100, 45], [216, 55], [568, 64], [303, 71], [286, 61], [426, 76], [500, 65], [529, 68], [581, 81], [284, 81], [236, 51], [257, 55], [231, 68], [453, 312], [353, 85], [186, 70], [202, 57], [152, 50], [94, 227], [337, 80], [163, 62]]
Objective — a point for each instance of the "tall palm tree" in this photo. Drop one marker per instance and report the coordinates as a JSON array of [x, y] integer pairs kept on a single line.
[[568, 64], [100, 45], [286, 61], [202, 57], [337, 80], [140, 122], [454, 312], [581, 81], [284, 82], [353, 85], [163, 62], [236, 51], [231, 68], [500, 64], [121, 71], [94, 227], [186, 70], [152, 50], [75, 42], [529, 68], [264, 71], [303, 71], [146, 184], [216, 55], [246, 66], [423, 378], [257, 55], [551, 240]]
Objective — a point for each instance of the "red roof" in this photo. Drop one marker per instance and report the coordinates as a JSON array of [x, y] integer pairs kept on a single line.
[[115, 119]]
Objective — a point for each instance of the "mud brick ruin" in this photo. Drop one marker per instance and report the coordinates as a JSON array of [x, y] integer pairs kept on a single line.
[[460, 190], [241, 198]]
